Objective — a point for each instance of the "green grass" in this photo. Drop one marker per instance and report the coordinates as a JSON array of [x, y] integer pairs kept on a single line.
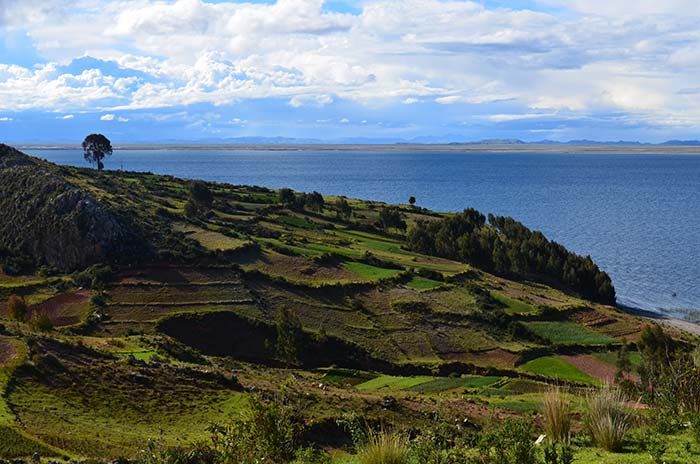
[[389, 382], [568, 333], [16, 444], [557, 368], [7, 417], [209, 239], [518, 406], [513, 306], [370, 272], [449, 383], [296, 222], [422, 283], [345, 376], [109, 420]]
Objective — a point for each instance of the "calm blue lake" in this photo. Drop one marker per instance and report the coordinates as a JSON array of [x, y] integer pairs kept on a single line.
[[638, 216]]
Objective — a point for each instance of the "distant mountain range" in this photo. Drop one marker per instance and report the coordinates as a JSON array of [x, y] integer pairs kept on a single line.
[[427, 140], [423, 140]]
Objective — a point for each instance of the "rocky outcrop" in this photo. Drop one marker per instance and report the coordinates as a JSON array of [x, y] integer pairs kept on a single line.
[[48, 218]]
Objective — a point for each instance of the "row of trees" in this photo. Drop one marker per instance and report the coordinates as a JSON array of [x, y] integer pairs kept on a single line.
[[312, 201], [507, 247]]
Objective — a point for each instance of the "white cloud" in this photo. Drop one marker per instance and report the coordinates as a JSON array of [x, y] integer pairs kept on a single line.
[[112, 117], [65, 116], [5, 119], [450, 100], [344, 121], [597, 56], [516, 117], [313, 100]]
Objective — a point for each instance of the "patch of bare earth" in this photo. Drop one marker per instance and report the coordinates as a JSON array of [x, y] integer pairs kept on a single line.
[[301, 269], [613, 324], [496, 358], [65, 309], [596, 368]]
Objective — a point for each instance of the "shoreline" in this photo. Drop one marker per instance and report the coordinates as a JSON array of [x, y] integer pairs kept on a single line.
[[451, 148], [683, 325]]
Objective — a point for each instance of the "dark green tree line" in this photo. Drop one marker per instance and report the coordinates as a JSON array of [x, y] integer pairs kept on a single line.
[[506, 247]]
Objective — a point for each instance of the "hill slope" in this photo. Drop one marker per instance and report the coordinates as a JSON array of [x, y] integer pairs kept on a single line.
[[215, 289], [48, 219]]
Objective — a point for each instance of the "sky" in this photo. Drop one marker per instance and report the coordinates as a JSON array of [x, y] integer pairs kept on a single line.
[[338, 70]]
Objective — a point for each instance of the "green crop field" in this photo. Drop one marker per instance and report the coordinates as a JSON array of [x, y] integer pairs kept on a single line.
[[388, 382], [451, 383], [421, 283], [568, 333], [557, 368], [514, 306], [370, 272]]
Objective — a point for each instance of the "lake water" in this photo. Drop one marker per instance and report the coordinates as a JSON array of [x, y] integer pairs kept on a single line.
[[638, 216]]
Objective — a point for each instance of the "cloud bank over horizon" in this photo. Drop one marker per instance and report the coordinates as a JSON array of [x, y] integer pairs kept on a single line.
[[147, 70]]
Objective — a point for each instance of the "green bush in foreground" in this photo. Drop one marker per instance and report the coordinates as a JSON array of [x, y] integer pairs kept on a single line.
[[384, 447], [268, 433], [512, 441]]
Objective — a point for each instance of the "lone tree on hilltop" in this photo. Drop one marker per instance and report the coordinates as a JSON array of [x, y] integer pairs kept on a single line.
[[96, 147], [412, 200]]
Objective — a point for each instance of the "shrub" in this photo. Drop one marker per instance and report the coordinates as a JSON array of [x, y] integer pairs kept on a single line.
[[286, 196], [557, 421], [311, 456], [98, 300], [96, 276], [43, 323], [268, 433], [445, 444], [156, 452], [289, 340], [608, 419], [655, 446], [17, 308], [201, 194], [558, 453], [191, 209], [511, 442], [384, 447], [695, 427]]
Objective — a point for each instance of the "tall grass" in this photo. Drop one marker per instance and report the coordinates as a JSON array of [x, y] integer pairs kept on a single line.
[[608, 418], [557, 418], [384, 447]]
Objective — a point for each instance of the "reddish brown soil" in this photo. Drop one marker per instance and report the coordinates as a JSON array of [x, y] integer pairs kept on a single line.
[[595, 367], [609, 322], [497, 358], [299, 268], [65, 309]]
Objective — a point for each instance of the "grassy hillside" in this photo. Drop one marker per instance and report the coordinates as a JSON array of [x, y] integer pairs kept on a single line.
[[241, 289]]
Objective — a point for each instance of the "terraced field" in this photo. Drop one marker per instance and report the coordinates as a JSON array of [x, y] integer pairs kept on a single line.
[[255, 293]]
